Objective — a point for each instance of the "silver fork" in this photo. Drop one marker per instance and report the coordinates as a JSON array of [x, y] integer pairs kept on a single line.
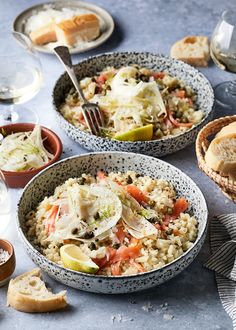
[[91, 112]]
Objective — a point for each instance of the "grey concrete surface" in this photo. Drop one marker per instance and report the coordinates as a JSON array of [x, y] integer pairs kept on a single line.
[[190, 301]]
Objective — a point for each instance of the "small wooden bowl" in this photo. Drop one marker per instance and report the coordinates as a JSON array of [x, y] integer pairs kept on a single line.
[[52, 143], [228, 186], [8, 267]]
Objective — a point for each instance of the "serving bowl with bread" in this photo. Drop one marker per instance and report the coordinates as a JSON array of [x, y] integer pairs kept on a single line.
[[216, 153], [189, 77], [47, 257], [79, 25]]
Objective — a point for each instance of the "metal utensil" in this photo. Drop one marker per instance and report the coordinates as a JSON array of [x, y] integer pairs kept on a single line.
[[91, 112]]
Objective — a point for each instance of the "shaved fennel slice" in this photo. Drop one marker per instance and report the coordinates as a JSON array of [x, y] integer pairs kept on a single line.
[[132, 232], [137, 224], [109, 208], [93, 209]]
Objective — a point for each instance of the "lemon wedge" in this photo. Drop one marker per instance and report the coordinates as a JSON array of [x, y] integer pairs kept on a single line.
[[144, 133], [73, 258]]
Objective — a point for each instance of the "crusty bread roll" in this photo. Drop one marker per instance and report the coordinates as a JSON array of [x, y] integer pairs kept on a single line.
[[221, 155], [44, 35], [80, 28], [28, 293], [229, 129], [193, 50]]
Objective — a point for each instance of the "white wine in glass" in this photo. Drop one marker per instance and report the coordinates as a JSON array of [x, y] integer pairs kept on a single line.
[[20, 81], [223, 53]]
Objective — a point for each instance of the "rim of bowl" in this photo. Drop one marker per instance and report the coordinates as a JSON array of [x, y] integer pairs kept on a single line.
[[11, 253], [47, 131], [112, 277], [101, 55]]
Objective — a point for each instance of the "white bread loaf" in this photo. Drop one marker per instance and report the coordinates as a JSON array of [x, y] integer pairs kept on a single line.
[[221, 155], [44, 35], [80, 28], [193, 50], [28, 293]]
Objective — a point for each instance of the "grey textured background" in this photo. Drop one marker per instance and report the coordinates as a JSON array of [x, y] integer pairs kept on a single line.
[[192, 296]]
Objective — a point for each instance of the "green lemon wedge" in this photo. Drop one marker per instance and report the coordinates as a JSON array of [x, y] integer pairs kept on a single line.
[[73, 258], [144, 133]]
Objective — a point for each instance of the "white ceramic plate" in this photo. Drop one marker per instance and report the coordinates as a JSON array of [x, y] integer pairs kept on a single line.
[[106, 23]]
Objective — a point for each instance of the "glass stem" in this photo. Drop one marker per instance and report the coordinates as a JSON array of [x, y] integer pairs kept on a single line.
[[14, 115], [232, 88]]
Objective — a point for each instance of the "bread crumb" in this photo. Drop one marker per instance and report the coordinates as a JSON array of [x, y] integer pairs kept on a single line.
[[148, 307], [168, 317]]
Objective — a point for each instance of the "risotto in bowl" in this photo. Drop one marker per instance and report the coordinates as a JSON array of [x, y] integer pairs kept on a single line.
[[112, 222], [151, 104]]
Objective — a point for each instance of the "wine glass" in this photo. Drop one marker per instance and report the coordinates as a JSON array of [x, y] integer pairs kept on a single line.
[[20, 79], [5, 204], [223, 53]]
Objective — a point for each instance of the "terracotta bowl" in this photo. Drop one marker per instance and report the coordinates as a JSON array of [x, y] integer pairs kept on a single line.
[[8, 267], [52, 143]]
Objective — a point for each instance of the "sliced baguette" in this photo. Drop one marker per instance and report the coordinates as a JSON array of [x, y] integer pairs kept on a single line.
[[229, 129], [44, 35], [221, 155], [28, 293], [193, 50], [80, 28]]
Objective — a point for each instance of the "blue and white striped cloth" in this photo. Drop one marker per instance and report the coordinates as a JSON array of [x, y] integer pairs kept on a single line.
[[223, 260]]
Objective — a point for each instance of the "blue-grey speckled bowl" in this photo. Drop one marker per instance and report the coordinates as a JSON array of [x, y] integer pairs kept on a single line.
[[44, 184], [157, 148]]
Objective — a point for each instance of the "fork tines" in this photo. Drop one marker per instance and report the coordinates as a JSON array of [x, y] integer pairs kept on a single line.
[[93, 117]]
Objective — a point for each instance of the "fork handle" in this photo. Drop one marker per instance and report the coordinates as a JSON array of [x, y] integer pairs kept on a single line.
[[63, 54]]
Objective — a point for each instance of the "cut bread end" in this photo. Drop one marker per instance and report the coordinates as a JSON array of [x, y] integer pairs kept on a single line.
[[28, 293], [221, 155], [193, 50], [44, 35]]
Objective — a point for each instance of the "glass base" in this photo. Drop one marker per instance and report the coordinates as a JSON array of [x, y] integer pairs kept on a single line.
[[224, 95], [9, 115]]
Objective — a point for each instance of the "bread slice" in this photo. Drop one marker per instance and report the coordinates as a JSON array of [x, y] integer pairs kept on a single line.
[[193, 50], [28, 293], [44, 35], [229, 129], [80, 28], [221, 155]]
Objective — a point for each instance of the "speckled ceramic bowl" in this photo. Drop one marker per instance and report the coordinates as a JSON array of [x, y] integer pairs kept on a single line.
[[44, 184], [157, 148]]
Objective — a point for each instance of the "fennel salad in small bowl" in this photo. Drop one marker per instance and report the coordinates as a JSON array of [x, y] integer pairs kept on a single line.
[[25, 149]]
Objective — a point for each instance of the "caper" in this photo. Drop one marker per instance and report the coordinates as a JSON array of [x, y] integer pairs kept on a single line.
[[97, 216], [129, 180], [116, 246], [87, 235], [169, 231], [169, 210], [74, 231], [92, 246]]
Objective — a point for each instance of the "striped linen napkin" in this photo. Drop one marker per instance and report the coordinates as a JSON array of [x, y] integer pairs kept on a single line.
[[223, 260]]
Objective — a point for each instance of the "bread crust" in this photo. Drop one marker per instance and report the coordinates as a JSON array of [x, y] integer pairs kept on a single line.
[[29, 304], [83, 27]]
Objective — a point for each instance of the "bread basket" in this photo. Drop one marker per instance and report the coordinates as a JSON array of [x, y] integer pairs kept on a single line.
[[207, 133]]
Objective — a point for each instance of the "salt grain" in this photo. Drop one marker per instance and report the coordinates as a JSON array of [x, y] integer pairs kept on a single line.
[[4, 256]]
